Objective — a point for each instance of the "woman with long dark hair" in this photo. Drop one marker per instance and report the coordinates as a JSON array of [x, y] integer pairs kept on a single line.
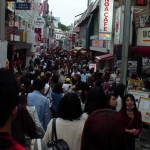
[[24, 129], [131, 119]]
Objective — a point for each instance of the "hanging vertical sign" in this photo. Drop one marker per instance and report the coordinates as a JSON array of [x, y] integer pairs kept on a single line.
[[106, 15]]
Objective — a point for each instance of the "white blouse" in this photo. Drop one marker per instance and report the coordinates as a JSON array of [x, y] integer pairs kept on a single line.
[[70, 131]]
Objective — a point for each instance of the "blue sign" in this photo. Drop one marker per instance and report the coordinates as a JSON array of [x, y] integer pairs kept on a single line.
[[23, 6]]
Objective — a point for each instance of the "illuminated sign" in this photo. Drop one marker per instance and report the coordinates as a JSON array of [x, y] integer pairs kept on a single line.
[[106, 15], [104, 36]]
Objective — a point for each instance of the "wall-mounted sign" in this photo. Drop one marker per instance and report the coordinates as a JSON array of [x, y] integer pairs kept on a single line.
[[119, 24], [104, 36], [92, 66], [39, 22], [97, 43], [143, 38], [23, 6], [106, 15]]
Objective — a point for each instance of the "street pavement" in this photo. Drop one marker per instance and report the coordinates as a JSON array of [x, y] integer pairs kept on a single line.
[[143, 143], [142, 146]]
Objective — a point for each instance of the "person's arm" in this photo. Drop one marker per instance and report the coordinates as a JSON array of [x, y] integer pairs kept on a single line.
[[46, 114]]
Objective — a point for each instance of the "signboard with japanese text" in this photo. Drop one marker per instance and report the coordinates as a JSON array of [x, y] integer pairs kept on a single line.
[[106, 15], [143, 37], [23, 6]]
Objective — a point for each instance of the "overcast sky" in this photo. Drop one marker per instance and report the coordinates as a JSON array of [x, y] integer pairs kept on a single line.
[[67, 9]]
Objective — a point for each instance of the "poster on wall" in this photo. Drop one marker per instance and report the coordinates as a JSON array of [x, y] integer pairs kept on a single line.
[[92, 66], [144, 108], [132, 66], [145, 65]]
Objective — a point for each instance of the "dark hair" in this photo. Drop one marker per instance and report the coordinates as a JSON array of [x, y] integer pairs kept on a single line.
[[38, 84], [124, 103], [104, 131], [120, 89], [23, 125], [96, 99], [58, 88], [8, 94], [70, 107], [147, 84], [54, 79], [44, 78], [108, 97]]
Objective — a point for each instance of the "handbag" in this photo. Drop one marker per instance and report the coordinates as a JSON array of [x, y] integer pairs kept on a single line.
[[56, 144]]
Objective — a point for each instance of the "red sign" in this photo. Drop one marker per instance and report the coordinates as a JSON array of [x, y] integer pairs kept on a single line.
[[141, 2]]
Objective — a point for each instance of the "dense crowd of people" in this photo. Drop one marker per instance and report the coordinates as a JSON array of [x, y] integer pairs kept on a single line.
[[91, 109]]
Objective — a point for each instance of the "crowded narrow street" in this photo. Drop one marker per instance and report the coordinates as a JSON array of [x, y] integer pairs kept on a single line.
[[79, 82]]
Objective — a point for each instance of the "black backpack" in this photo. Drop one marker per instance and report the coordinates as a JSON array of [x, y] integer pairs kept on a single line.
[[56, 144]]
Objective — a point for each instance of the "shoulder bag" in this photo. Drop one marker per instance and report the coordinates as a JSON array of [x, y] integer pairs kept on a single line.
[[56, 144]]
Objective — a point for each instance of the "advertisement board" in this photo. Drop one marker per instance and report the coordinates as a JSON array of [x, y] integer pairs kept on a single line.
[[92, 66], [143, 37], [144, 108], [119, 25], [106, 15], [39, 22]]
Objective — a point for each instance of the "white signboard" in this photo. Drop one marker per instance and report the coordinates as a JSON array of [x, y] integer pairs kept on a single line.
[[106, 15], [92, 66], [39, 22], [143, 38], [119, 24]]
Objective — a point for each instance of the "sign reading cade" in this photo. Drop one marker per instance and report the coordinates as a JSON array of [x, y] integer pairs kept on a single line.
[[39, 22]]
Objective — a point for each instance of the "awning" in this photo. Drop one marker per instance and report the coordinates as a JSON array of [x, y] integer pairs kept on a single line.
[[83, 52], [18, 46], [104, 57], [78, 48], [141, 50]]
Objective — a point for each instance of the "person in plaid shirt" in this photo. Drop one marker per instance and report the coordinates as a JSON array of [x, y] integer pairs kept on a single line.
[[8, 109]]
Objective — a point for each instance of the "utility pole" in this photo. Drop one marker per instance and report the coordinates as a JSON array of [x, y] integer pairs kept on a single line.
[[126, 37], [2, 20], [88, 3]]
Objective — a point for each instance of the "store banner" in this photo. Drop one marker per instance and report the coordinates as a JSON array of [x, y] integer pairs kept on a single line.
[[106, 15], [119, 25]]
